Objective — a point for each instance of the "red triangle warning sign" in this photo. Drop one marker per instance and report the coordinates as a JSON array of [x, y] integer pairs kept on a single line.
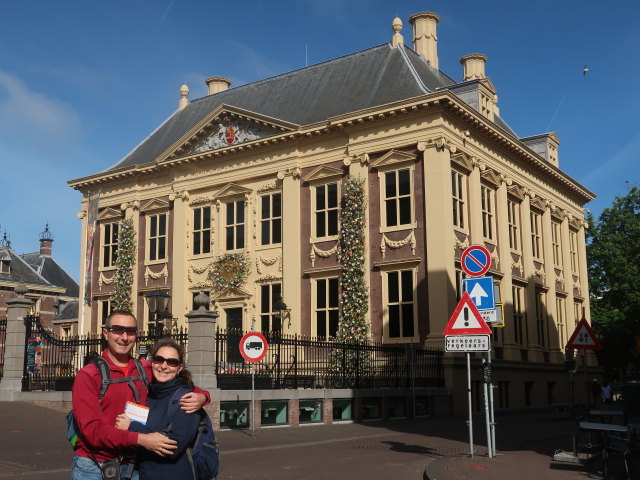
[[583, 337], [466, 319]]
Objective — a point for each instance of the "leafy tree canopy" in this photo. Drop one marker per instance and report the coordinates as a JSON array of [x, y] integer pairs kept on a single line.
[[613, 254]]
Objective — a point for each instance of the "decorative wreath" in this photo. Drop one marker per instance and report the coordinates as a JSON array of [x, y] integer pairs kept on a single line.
[[229, 271]]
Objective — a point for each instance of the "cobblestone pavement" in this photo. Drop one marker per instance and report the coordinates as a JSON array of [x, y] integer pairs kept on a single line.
[[32, 445]]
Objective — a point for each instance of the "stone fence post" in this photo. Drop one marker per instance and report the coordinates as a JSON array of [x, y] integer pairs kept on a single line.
[[202, 343], [14, 347]]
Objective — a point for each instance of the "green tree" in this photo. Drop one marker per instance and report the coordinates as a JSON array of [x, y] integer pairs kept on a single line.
[[613, 255]]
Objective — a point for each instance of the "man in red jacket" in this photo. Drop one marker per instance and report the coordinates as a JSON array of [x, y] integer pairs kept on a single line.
[[100, 440]]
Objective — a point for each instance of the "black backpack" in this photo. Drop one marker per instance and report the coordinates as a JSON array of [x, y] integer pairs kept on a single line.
[[204, 452], [105, 380]]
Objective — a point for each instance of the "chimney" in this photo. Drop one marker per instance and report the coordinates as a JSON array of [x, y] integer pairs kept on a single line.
[[425, 40], [46, 239], [473, 66], [397, 38], [184, 93], [217, 84]]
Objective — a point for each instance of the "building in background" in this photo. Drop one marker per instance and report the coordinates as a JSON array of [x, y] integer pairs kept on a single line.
[[256, 174], [53, 291]]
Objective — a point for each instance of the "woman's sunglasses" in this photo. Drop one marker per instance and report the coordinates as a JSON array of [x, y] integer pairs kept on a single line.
[[172, 362]]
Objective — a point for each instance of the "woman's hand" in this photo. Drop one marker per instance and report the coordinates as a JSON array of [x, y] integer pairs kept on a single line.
[[123, 422], [192, 402]]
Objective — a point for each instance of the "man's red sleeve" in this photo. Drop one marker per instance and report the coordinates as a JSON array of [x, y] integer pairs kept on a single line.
[[97, 427]]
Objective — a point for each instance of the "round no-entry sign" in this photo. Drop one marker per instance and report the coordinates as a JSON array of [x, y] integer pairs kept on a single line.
[[476, 260], [253, 346]]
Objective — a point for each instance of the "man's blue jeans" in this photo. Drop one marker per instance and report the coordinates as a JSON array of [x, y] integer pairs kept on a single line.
[[83, 468]]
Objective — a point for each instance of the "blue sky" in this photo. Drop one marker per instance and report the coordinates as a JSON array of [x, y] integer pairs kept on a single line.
[[83, 82]]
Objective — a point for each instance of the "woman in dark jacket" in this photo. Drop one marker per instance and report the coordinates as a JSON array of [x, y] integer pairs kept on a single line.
[[170, 379]]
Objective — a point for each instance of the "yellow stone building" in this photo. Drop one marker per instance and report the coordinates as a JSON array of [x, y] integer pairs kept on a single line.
[[259, 169]]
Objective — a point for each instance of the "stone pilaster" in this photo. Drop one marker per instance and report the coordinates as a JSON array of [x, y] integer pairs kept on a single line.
[[14, 347], [202, 343], [291, 255]]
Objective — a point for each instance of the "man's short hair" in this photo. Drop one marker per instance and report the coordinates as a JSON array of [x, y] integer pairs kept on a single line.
[[107, 322]]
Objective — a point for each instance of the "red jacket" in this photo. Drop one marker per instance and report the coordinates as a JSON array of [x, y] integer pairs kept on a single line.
[[96, 419]]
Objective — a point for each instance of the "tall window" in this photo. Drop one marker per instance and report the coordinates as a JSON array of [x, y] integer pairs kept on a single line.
[[573, 246], [556, 244], [157, 236], [109, 244], [326, 210], [397, 197], [457, 194], [201, 230], [518, 315], [326, 311], [271, 219], [577, 313], [488, 211], [105, 310], [270, 320], [235, 225], [400, 304], [513, 215], [540, 318], [536, 235], [460, 275], [561, 322]]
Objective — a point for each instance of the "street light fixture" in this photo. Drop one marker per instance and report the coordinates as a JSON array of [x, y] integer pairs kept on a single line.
[[157, 302]]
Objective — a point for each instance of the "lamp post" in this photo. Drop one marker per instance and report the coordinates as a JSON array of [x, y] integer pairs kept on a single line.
[[157, 302], [280, 309]]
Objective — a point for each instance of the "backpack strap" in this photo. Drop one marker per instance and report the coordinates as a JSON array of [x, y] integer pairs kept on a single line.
[[141, 372], [105, 376]]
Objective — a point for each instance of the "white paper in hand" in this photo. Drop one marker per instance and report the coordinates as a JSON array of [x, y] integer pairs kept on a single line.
[[136, 412]]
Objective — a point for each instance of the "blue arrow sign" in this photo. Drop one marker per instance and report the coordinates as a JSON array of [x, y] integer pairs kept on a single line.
[[480, 289]]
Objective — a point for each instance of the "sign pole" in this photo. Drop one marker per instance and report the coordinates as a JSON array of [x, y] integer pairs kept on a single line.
[[485, 368], [253, 398], [491, 411], [469, 402]]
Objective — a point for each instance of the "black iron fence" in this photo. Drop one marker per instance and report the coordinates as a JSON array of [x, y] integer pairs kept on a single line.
[[294, 361], [51, 362]]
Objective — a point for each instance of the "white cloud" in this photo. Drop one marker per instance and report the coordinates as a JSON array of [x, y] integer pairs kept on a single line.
[[31, 119], [619, 166]]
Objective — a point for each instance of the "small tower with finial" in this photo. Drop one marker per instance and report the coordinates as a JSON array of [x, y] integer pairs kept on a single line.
[[397, 38], [46, 240], [6, 240], [184, 93]]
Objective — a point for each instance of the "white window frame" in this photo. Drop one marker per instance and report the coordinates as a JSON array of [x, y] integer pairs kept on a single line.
[[519, 316], [111, 247], [488, 208], [556, 243], [270, 220], [399, 267], [396, 199], [235, 225], [458, 197], [513, 218], [327, 308], [536, 235], [157, 237], [573, 252], [271, 312], [315, 210], [201, 232], [561, 323]]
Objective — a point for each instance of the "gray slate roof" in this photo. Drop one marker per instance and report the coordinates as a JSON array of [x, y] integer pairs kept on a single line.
[[21, 271], [68, 312], [52, 272], [375, 76]]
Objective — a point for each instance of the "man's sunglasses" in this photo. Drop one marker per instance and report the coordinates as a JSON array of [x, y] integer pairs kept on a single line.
[[172, 362], [119, 330]]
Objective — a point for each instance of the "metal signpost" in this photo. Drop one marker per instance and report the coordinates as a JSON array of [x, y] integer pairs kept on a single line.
[[467, 332], [584, 339], [253, 347]]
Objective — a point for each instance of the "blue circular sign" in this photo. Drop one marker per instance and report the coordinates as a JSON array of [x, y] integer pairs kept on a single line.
[[476, 260]]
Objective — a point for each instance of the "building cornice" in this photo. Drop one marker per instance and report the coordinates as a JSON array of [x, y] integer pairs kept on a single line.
[[443, 99]]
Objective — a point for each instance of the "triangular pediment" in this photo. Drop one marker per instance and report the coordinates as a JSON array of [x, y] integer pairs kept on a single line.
[[231, 293], [488, 85], [154, 204], [4, 256], [538, 203], [516, 191], [227, 126], [109, 213], [491, 177], [393, 158], [462, 160], [233, 190], [323, 173], [575, 223]]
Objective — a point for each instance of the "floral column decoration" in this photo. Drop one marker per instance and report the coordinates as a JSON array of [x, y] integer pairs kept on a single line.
[[349, 364], [125, 262]]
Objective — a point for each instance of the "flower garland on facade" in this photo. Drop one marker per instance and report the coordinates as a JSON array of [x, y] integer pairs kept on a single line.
[[229, 271], [354, 299], [125, 262]]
